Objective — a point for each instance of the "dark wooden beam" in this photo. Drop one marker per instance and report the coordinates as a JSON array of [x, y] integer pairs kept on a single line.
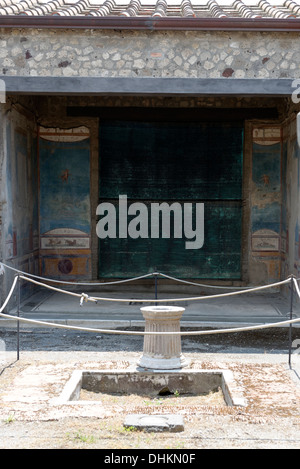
[[150, 23]]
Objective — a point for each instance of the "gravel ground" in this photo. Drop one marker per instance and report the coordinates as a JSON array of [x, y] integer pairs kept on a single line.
[[258, 360]]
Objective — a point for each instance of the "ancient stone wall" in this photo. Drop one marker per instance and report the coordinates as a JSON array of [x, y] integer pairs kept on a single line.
[[117, 53]]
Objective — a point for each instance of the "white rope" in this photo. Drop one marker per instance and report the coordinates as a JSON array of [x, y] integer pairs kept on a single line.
[[9, 294], [114, 331], [66, 292], [77, 283], [297, 287], [166, 300], [84, 297], [195, 298], [116, 282], [202, 284]]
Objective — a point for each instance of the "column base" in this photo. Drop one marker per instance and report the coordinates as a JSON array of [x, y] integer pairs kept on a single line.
[[156, 363]]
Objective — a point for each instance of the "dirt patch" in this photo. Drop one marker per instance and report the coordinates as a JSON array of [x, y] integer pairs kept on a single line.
[[29, 420], [272, 340], [136, 400]]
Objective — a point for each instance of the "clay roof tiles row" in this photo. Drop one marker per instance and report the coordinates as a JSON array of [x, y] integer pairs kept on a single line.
[[287, 9]]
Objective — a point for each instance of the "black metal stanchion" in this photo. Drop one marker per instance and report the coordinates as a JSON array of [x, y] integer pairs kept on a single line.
[[156, 285], [291, 317], [18, 315]]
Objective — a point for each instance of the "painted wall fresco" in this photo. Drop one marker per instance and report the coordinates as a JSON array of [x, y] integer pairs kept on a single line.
[[65, 202], [291, 201], [266, 199], [20, 190], [295, 215]]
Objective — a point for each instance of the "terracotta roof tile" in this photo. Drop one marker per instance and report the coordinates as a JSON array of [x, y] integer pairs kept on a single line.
[[284, 9]]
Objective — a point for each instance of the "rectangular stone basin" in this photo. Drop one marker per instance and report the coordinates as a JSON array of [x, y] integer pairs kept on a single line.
[[152, 384]]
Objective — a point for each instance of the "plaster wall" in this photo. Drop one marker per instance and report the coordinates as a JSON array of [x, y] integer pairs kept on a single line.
[[19, 192], [290, 238]]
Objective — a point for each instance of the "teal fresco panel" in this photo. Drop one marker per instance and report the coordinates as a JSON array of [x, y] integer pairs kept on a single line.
[[64, 185]]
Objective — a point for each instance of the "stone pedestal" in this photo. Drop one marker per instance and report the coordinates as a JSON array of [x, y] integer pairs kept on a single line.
[[162, 352]]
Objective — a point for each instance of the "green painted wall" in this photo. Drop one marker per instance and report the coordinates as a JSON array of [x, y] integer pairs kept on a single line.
[[184, 162]]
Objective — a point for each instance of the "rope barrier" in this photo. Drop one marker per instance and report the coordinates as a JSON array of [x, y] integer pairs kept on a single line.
[[66, 292], [116, 282], [187, 282], [296, 287], [196, 298], [85, 297], [77, 283], [165, 300], [9, 295], [182, 333]]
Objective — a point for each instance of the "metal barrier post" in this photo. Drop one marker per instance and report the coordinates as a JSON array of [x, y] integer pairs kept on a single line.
[[291, 317], [156, 284], [18, 314]]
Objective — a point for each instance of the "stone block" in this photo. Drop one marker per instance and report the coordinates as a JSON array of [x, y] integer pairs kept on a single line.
[[154, 423]]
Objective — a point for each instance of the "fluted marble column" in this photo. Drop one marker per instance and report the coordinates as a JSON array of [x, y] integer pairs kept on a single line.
[[162, 352]]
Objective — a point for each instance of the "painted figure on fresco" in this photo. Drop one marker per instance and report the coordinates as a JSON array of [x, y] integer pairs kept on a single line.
[[266, 179], [65, 175]]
